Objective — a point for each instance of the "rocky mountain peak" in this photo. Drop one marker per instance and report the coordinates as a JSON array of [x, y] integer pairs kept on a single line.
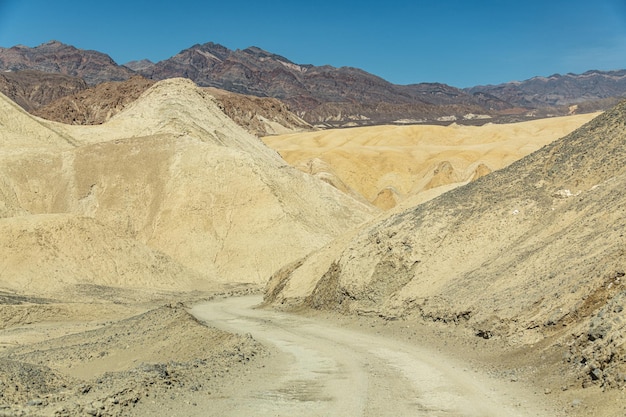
[[56, 57], [142, 64], [263, 54], [219, 51], [55, 44], [336, 97]]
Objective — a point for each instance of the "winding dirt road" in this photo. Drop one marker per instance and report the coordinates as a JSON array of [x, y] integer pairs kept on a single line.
[[324, 370]]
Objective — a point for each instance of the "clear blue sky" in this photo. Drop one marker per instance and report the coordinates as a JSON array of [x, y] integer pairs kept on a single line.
[[457, 42]]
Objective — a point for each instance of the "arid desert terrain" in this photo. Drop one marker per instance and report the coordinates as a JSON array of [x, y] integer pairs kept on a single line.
[[169, 261]]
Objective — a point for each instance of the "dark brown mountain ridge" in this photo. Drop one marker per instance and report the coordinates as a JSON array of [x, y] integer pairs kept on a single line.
[[319, 94], [32, 89], [92, 66], [332, 97], [559, 90]]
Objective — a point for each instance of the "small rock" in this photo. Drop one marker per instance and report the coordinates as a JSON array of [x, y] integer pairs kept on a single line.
[[91, 411], [84, 388], [596, 374], [598, 329], [587, 383], [547, 391]]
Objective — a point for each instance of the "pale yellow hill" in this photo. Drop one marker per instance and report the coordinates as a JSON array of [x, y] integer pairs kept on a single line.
[[46, 254], [386, 164], [172, 174], [19, 131], [174, 107]]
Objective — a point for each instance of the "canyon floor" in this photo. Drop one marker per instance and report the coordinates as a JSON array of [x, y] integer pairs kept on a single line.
[[222, 355]]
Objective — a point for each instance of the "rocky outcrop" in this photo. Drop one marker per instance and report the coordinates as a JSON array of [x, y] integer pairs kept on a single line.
[[33, 89], [261, 116], [95, 105]]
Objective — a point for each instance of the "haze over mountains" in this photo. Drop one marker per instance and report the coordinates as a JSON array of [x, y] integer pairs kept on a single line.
[[328, 96], [559, 90]]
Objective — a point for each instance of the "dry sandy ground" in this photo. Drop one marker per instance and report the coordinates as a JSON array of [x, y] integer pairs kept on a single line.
[[106, 359], [155, 359], [386, 164], [350, 371]]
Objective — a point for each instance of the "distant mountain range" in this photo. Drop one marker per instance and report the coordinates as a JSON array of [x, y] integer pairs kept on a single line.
[[329, 96], [92, 66], [559, 90]]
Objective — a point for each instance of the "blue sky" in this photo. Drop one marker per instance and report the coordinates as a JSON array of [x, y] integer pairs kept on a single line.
[[461, 43]]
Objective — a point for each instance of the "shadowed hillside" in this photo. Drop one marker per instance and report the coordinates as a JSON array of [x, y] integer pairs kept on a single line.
[[33, 89]]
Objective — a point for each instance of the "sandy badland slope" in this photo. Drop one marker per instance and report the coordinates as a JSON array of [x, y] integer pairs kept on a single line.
[[532, 254], [21, 132], [386, 164], [169, 192]]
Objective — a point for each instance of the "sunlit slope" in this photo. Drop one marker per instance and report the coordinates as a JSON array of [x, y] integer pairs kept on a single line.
[[21, 132], [50, 253], [173, 174], [386, 164]]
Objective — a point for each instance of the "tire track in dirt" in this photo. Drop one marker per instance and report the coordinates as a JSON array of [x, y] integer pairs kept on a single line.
[[320, 369]]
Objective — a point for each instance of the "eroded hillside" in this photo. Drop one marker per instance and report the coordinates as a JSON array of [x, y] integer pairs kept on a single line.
[[533, 253], [388, 164], [170, 192]]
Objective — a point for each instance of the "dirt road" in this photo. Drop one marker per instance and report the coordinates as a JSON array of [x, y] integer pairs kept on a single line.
[[323, 370]]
